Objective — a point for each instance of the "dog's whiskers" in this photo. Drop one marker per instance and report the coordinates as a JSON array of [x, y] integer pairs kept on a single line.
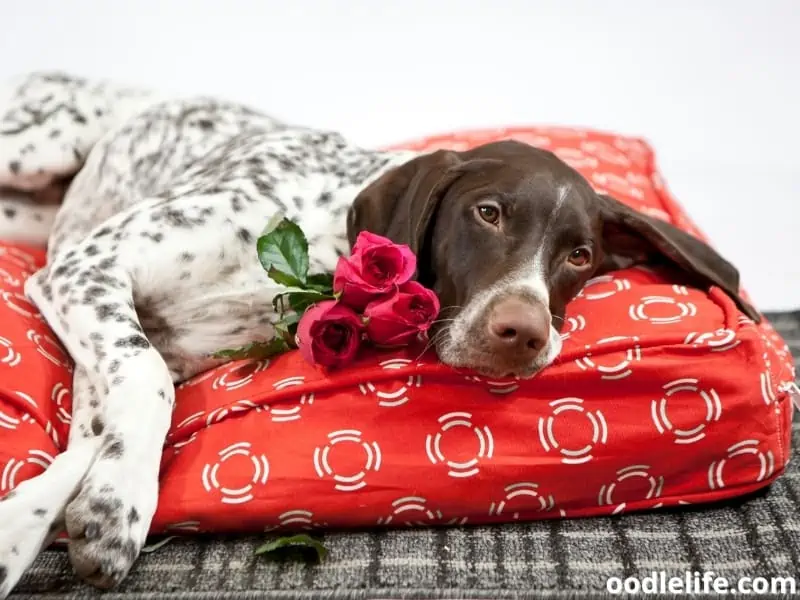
[[441, 333], [437, 321], [432, 341]]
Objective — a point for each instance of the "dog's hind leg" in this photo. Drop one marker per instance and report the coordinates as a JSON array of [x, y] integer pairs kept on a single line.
[[49, 121], [86, 295], [32, 515], [23, 220]]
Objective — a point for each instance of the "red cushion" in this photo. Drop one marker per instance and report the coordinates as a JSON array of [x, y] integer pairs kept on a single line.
[[663, 395]]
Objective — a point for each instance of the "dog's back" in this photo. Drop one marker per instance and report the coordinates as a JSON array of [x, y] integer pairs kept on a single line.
[[142, 157], [97, 147]]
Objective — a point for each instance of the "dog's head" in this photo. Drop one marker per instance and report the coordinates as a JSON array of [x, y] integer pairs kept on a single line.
[[507, 234]]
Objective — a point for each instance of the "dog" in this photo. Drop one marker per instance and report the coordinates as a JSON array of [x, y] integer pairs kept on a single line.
[[152, 268]]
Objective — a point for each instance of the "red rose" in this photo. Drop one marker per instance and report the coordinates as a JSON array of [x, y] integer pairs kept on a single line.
[[329, 334], [375, 267], [397, 319]]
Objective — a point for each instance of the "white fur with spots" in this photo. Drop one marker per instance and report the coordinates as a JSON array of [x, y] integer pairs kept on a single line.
[[151, 268]]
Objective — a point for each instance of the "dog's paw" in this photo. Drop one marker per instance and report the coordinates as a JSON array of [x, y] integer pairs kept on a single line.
[[107, 524], [12, 537], [24, 525]]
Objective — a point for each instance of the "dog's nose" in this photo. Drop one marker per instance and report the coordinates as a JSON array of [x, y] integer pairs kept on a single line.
[[519, 329]]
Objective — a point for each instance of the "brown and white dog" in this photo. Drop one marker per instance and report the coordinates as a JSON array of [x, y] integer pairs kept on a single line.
[[152, 268]]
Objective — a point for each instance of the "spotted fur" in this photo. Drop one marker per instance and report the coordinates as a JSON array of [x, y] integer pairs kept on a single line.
[[151, 269]]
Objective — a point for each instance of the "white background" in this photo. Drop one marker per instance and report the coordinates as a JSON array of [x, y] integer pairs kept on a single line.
[[714, 85]]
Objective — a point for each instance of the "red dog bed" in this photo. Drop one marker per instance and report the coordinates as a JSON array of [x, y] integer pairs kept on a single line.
[[663, 395]]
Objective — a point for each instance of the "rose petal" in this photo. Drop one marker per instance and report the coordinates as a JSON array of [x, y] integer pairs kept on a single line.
[[367, 239], [307, 321], [409, 266]]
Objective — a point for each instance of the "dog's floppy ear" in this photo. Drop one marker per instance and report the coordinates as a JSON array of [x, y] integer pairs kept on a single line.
[[630, 234], [401, 203]]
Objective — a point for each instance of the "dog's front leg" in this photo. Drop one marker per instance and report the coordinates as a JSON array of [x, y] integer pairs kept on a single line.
[[87, 297], [33, 513]]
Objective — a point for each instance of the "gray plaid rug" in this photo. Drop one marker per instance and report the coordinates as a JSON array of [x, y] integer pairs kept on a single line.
[[757, 537]]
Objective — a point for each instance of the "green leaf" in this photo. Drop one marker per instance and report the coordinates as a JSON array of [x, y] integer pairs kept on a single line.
[[283, 278], [159, 544], [287, 328], [322, 282], [273, 222], [300, 302], [294, 297], [303, 290], [289, 321], [302, 544], [281, 329], [256, 350], [284, 252]]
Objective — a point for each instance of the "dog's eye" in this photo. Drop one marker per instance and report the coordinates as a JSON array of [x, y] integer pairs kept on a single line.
[[580, 257], [489, 213]]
